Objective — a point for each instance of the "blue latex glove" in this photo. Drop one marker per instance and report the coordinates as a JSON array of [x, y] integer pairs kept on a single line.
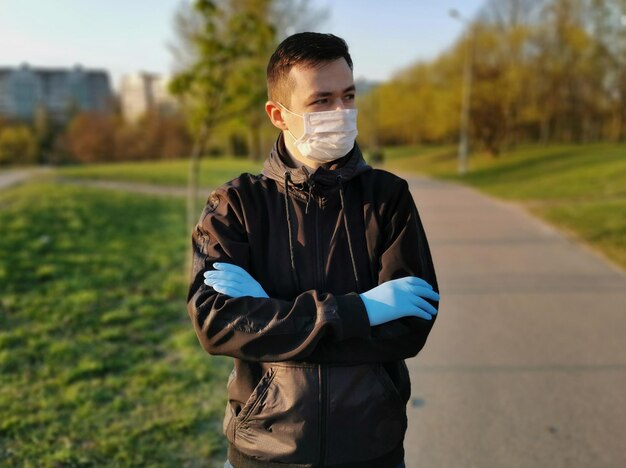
[[233, 281], [399, 298]]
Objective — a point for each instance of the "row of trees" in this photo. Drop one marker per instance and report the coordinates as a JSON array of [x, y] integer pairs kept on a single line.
[[543, 71], [93, 137]]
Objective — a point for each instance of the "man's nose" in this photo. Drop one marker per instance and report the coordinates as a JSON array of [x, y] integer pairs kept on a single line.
[[339, 104]]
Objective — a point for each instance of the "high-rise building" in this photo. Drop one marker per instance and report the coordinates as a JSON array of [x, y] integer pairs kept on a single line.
[[60, 91], [144, 92]]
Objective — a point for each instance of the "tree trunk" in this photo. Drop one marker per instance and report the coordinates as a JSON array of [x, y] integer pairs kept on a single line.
[[192, 185], [255, 141]]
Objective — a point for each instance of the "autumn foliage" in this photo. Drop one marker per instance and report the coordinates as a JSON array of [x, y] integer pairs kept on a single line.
[[98, 138], [543, 71]]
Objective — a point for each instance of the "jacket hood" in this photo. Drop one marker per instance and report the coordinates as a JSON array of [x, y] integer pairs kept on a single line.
[[348, 167]]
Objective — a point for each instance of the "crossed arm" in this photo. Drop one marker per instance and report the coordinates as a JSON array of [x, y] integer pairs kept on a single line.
[[232, 314], [391, 300]]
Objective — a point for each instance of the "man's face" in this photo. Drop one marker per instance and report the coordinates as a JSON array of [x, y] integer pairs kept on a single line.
[[327, 87], [315, 89]]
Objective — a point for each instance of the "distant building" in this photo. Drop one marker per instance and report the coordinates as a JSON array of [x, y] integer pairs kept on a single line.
[[60, 91], [144, 92]]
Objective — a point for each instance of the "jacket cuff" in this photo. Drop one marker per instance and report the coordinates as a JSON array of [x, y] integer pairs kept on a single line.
[[354, 319]]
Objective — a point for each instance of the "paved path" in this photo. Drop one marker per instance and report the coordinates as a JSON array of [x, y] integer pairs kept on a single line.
[[9, 177], [526, 365]]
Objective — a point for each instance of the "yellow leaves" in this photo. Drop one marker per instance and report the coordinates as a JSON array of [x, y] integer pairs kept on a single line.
[[577, 39]]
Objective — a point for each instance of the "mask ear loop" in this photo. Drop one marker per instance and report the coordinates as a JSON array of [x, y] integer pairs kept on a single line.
[[290, 111], [295, 140]]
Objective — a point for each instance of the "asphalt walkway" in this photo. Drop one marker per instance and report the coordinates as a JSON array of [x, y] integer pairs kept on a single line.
[[526, 365]]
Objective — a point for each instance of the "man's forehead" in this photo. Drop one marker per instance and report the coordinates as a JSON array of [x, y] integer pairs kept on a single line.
[[333, 76]]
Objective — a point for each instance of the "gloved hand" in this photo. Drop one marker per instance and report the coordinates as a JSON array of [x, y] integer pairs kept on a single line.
[[233, 281], [399, 298]]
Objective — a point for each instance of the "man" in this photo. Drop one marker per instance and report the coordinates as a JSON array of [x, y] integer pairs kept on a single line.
[[316, 277]]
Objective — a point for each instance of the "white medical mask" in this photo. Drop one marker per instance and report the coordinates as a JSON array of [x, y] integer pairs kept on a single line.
[[328, 135]]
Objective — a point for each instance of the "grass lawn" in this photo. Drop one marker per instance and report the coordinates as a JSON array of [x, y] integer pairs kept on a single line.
[[579, 188], [99, 361], [213, 171]]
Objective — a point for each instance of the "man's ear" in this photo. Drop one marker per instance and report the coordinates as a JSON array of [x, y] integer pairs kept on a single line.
[[274, 113]]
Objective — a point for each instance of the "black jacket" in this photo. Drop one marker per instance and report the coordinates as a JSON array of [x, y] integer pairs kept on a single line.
[[313, 384]]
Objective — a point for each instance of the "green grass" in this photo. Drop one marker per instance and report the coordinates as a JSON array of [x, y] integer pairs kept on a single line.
[[213, 171], [435, 159], [532, 173], [98, 358], [602, 224], [399, 154], [579, 188]]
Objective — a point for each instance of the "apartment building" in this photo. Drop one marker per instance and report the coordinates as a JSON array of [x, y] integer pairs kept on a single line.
[[61, 91]]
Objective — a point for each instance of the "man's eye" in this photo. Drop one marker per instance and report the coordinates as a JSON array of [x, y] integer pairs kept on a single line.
[[350, 97], [321, 101]]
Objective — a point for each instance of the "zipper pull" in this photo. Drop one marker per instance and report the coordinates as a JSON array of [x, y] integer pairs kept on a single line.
[[311, 185]]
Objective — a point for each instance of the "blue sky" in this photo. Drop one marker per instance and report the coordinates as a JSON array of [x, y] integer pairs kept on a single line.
[[129, 35]]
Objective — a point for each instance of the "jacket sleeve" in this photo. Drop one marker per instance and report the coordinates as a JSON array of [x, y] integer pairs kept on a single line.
[[405, 253], [251, 328]]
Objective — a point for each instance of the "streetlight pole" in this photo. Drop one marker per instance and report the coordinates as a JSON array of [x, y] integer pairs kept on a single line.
[[467, 87]]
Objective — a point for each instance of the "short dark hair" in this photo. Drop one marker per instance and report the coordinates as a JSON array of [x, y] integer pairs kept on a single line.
[[309, 49]]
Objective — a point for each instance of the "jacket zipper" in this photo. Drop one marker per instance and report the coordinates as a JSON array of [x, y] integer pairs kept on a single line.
[[318, 250], [322, 368], [322, 376]]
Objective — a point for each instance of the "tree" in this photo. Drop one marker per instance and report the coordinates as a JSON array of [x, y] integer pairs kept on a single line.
[[511, 22], [544, 70], [44, 132], [18, 145], [221, 37], [222, 50], [608, 25], [90, 137]]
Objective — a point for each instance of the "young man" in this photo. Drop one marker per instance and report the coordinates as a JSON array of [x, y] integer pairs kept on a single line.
[[316, 277]]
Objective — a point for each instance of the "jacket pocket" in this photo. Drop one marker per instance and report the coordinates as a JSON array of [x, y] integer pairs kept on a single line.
[[257, 395], [233, 418], [385, 380], [280, 420], [366, 415]]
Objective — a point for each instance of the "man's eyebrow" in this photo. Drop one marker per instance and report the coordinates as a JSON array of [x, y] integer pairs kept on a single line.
[[321, 94]]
